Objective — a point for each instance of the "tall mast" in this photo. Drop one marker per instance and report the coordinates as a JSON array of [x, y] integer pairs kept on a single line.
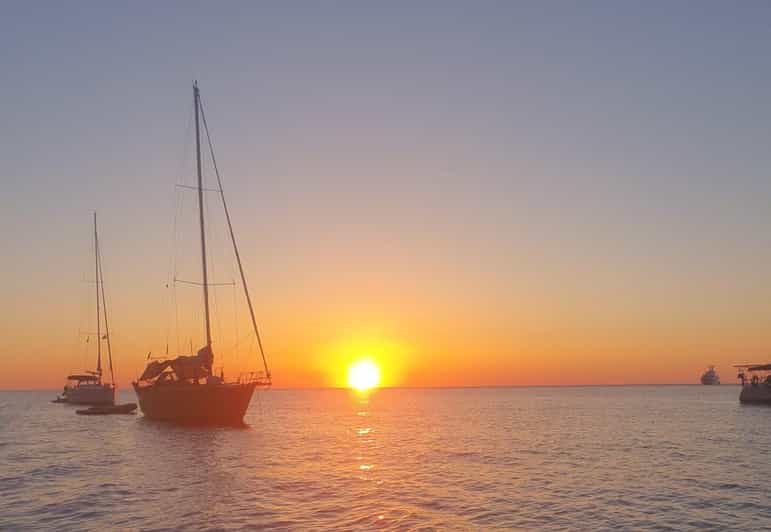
[[98, 317], [197, 104]]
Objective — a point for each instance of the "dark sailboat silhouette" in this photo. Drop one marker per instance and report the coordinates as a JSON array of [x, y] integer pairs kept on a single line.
[[184, 389]]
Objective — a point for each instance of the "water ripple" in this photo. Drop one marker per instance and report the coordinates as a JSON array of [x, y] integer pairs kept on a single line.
[[643, 458]]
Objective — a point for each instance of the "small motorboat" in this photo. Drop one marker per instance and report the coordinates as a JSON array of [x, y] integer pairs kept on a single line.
[[756, 383], [127, 408]]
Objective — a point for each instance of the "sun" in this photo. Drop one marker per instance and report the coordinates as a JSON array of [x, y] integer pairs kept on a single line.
[[363, 375]]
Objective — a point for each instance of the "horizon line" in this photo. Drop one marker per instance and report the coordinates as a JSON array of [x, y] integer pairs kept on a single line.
[[453, 387]]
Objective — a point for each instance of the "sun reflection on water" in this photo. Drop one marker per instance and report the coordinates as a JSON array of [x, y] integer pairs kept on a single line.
[[364, 436]]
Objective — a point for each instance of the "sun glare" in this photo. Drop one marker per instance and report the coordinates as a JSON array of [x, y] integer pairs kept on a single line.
[[363, 375]]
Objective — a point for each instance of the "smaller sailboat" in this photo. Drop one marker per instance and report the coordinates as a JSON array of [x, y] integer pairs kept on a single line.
[[710, 376], [88, 388]]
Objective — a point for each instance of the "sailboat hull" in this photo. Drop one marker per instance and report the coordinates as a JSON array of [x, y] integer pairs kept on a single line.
[[90, 394], [195, 404]]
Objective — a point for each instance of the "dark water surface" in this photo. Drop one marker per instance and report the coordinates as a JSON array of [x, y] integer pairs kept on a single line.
[[642, 457]]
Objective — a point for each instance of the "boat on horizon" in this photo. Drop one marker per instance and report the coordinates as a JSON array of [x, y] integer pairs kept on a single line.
[[756, 383], [185, 389], [710, 376], [88, 388]]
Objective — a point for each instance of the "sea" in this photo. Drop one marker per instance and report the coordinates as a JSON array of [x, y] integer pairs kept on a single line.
[[537, 458]]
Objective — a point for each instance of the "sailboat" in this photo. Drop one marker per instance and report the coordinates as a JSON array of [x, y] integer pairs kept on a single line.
[[185, 389], [87, 388]]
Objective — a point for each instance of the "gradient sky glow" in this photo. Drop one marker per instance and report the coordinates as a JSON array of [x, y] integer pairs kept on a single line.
[[470, 193]]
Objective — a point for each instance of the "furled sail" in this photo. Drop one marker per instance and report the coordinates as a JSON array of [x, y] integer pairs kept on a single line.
[[184, 367]]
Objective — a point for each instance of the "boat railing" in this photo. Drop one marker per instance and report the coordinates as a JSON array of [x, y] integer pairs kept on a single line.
[[754, 374], [254, 377]]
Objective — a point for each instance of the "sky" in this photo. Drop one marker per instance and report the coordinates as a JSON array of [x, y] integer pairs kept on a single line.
[[468, 193]]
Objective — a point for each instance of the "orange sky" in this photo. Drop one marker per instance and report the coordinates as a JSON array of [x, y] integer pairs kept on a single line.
[[432, 308], [413, 314]]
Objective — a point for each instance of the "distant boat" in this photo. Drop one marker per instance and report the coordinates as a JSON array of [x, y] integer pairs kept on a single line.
[[710, 376], [87, 388], [185, 389], [756, 383]]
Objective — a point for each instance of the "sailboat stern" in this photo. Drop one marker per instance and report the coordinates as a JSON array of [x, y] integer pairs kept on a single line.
[[90, 394]]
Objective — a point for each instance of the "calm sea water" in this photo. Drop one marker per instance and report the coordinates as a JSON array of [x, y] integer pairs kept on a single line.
[[658, 457]]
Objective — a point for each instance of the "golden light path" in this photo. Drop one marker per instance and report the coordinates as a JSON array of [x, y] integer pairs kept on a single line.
[[363, 375]]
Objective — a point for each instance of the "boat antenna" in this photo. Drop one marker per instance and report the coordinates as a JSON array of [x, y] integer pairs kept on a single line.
[[98, 316], [235, 245], [197, 105], [104, 311]]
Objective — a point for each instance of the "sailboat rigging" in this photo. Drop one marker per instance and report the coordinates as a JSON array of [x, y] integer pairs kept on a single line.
[[185, 389], [87, 388]]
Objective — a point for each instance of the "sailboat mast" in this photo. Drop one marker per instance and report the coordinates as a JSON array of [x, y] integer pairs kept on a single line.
[[98, 317], [197, 104]]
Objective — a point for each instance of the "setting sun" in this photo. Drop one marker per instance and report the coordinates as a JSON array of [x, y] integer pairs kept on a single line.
[[363, 375]]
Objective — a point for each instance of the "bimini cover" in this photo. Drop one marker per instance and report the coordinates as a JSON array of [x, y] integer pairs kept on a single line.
[[193, 367], [154, 369], [206, 356], [185, 367], [189, 368]]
